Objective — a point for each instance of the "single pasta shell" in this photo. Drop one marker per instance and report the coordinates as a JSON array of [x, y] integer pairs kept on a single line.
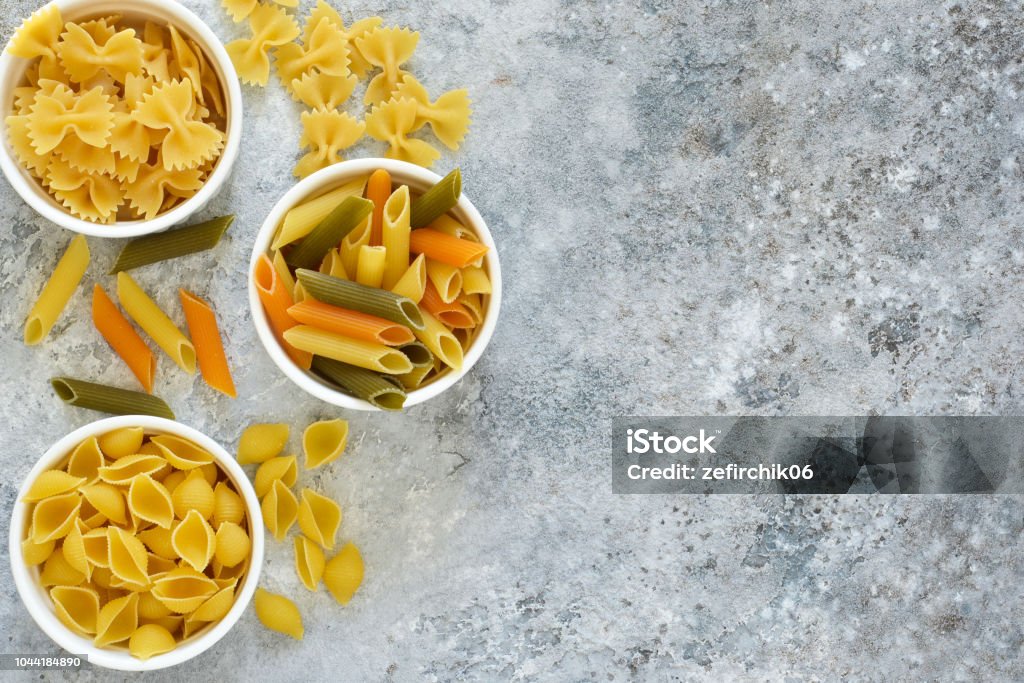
[[150, 640], [319, 517], [184, 589], [77, 607], [261, 442], [174, 479], [108, 501], [97, 547], [278, 613], [53, 518], [195, 493], [210, 473], [74, 549], [151, 608], [279, 509], [233, 544], [283, 468], [117, 620], [159, 541], [52, 483], [216, 607], [182, 453], [309, 562], [324, 442], [227, 505], [344, 573], [86, 460], [194, 541], [121, 442], [57, 572], [148, 499], [160, 565], [36, 553], [122, 471], [128, 558]]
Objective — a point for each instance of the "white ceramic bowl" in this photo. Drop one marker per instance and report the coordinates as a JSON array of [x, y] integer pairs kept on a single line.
[[419, 180], [38, 603], [12, 69]]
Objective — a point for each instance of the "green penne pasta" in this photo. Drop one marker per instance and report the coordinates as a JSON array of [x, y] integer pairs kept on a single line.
[[364, 384], [418, 354], [356, 297], [108, 399], [172, 244], [329, 232], [436, 201]]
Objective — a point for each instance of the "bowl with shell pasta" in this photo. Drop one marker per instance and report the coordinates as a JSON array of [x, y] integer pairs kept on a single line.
[[374, 284], [120, 118], [137, 541]]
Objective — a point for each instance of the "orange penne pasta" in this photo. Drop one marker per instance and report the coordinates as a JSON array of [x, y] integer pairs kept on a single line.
[[452, 315], [123, 338], [445, 248], [378, 189], [351, 323], [202, 327], [276, 300]]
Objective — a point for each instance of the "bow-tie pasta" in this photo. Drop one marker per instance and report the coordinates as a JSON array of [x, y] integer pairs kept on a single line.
[[116, 119]]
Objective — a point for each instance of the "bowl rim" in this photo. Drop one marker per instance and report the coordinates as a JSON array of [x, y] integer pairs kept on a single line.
[[35, 598], [322, 181], [27, 187]]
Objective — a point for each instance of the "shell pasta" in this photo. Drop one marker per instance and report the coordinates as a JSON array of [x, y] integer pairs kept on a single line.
[[126, 544]]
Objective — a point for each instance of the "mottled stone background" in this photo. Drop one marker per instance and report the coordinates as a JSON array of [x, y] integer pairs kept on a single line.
[[702, 207]]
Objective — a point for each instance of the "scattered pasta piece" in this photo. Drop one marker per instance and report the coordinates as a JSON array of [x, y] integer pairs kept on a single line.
[[343, 574], [58, 290], [392, 122], [448, 115], [270, 26], [388, 49], [278, 613], [202, 327], [326, 133], [324, 442], [323, 50], [276, 469], [357, 63], [309, 562], [261, 442], [313, 89], [319, 518], [279, 509]]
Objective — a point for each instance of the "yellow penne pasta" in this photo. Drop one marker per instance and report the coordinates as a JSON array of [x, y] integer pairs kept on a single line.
[[441, 342], [347, 350], [395, 236], [283, 271], [446, 278], [475, 281], [161, 329], [353, 242], [414, 281], [58, 290], [370, 268], [301, 220]]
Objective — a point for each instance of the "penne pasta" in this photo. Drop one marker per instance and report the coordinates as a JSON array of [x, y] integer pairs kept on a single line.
[[284, 272], [441, 342], [356, 352], [276, 300], [473, 304], [57, 291], [450, 226], [395, 236], [378, 189], [300, 220], [154, 322], [172, 244], [452, 314], [446, 279], [361, 383], [202, 326], [436, 201], [123, 338], [355, 297], [475, 280], [351, 323], [333, 266], [107, 399], [353, 242], [348, 215], [422, 364], [370, 268], [414, 280], [444, 248]]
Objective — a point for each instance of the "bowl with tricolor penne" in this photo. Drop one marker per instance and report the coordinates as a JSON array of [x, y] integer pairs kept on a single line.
[[374, 284], [121, 117], [136, 541]]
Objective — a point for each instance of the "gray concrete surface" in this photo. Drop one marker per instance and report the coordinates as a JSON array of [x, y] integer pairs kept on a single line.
[[702, 207]]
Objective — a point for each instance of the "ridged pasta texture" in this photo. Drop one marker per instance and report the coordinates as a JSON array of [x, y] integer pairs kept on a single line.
[[141, 540], [116, 120]]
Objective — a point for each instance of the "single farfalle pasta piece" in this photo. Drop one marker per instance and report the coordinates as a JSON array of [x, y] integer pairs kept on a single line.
[[357, 63], [154, 184], [326, 133], [87, 115], [320, 91], [448, 115], [386, 48], [154, 52], [21, 144], [271, 26], [87, 195], [392, 122], [82, 58], [38, 34], [240, 9], [86, 158], [324, 50], [188, 142]]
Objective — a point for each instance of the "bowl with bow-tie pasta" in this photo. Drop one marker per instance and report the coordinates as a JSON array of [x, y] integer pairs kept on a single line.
[[120, 118], [136, 541]]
